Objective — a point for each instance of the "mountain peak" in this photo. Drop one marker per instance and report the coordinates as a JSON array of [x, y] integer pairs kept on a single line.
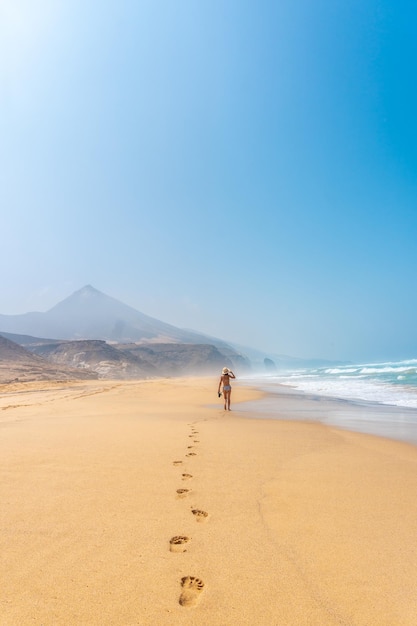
[[91, 314], [89, 301], [87, 291]]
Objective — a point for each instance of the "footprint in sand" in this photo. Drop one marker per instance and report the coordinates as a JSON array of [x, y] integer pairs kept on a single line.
[[186, 476], [182, 493], [196, 441], [191, 454], [177, 463], [192, 587], [189, 447], [177, 544], [200, 516]]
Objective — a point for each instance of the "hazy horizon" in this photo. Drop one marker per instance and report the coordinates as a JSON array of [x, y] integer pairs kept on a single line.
[[247, 171], [251, 350]]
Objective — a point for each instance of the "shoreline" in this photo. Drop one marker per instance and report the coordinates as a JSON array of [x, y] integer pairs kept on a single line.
[[144, 502], [382, 420]]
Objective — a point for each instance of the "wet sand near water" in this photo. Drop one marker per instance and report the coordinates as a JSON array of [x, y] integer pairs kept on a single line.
[[393, 422]]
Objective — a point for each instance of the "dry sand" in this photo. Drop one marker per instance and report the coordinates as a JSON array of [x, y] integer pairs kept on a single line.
[[144, 503]]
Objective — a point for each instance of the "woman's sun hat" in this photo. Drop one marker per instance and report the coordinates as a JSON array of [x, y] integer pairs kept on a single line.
[[225, 370]]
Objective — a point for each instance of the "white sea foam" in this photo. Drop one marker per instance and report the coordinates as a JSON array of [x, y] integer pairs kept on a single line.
[[386, 370], [360, 390], [386, 383], [345, 370]]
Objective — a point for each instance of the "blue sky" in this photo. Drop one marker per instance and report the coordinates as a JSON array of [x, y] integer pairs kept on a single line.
[[245, 169]]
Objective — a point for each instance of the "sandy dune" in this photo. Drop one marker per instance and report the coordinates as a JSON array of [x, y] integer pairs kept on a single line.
[[144, 503]]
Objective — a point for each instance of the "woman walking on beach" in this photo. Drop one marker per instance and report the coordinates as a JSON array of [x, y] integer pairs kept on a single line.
[[225, 377]]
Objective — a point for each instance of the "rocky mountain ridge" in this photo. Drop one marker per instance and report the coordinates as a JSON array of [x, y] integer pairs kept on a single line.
[[19, 364], [92, 358]]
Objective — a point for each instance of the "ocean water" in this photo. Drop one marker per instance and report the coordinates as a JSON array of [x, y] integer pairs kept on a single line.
[[392, 383], [377, 398]]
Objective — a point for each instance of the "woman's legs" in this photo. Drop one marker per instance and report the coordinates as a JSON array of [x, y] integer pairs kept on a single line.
[[227, 395]]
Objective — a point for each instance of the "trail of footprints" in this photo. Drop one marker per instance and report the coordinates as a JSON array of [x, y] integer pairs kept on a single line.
[[192, 586]]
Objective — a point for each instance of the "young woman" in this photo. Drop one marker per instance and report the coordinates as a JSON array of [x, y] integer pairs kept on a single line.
[[225, 377]]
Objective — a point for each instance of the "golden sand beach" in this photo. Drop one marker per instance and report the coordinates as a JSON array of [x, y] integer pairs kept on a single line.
[[144, 503]]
